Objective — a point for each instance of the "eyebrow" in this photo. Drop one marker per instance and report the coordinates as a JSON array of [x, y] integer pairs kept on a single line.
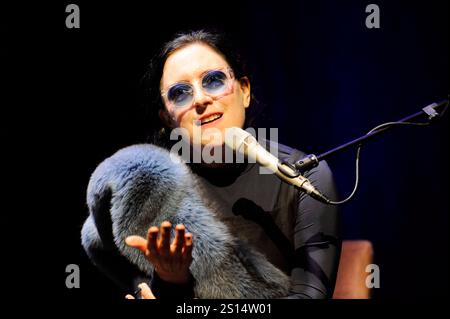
[[200, 75]]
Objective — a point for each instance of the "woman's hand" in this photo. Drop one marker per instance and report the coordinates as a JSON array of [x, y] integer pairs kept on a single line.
[[145, 291], [171, 261]]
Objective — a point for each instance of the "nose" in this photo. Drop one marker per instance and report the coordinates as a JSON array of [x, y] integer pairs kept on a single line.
[[201, 100]]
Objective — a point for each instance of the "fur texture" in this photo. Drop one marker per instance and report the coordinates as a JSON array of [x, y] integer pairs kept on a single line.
[[147, 185]]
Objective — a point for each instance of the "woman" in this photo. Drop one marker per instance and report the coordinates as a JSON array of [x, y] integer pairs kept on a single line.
[[198, 82]]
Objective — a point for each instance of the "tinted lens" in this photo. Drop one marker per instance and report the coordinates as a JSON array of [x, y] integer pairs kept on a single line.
[[214, 82], [180, 94]]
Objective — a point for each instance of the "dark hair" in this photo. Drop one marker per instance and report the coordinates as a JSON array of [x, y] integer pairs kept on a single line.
[[150, 84]]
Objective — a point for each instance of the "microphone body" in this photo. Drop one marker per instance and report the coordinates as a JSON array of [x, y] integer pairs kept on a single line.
[[243, 142]]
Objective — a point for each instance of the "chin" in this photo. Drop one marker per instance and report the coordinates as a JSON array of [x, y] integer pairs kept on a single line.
[[218, 140]]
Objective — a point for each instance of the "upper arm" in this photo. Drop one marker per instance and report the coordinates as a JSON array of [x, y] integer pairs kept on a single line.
[[317, 239]]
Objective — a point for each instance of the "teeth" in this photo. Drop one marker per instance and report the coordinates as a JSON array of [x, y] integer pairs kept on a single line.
[[211, 118]]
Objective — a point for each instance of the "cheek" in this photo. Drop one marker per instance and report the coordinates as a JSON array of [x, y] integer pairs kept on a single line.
[[181, 118], [186, 122], [235, 111], [185, 119]]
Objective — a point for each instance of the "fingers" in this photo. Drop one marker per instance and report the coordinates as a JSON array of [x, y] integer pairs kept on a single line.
[[146, 292], [158, 243], [179, 240], [136, 242], [187, 253], [164, 247], [152, 240]]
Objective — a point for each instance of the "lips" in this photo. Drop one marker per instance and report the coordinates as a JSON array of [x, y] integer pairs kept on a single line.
[[209, 118]]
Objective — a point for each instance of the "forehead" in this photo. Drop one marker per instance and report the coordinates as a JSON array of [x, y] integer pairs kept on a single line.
[[190, 62]]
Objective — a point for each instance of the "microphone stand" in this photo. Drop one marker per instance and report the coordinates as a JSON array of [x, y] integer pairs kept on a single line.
[[431, 111]]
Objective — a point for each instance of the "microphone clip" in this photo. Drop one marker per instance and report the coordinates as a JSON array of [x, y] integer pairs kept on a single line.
[[298, 167], [306, 163]]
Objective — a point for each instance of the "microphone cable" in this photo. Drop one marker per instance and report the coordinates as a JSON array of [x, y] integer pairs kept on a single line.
[[432, 115]]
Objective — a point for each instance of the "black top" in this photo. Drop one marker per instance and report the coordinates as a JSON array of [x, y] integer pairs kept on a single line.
[[296, 233]]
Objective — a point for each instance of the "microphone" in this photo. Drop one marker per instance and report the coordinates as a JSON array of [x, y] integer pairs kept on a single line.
[[242, 141]]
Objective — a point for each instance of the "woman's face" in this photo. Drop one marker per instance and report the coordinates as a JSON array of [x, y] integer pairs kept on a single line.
[[188, 65]]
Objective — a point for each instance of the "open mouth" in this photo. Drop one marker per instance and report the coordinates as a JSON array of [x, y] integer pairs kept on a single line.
[[211, 118]]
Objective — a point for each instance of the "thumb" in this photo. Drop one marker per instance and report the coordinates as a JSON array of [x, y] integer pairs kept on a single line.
[[146, 292], [137, 242]]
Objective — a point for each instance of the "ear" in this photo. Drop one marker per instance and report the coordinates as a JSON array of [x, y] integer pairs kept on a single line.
[[244, 84], [166, 118]]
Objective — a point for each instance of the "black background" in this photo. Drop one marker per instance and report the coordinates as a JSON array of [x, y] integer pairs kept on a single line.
[[321, 75]]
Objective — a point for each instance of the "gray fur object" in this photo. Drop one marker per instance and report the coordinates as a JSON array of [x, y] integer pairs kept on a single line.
[[148, 185]]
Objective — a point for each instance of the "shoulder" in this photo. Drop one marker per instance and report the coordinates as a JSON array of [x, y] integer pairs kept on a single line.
[[283, 151]]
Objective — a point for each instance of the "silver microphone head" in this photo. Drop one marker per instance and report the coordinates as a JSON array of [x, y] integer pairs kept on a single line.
[[236, 138]]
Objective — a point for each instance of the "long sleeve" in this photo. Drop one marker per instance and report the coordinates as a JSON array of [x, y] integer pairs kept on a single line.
[[317, 241]]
